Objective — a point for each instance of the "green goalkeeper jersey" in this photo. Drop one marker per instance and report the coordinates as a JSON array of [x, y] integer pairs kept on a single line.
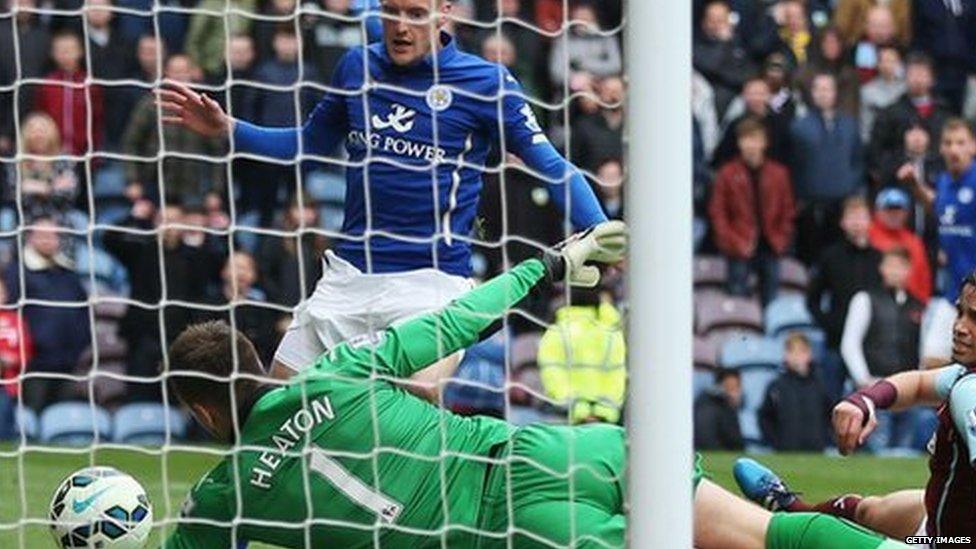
[[344, 457]]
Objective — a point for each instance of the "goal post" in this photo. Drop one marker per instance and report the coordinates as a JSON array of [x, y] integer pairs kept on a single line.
[[658, 47]]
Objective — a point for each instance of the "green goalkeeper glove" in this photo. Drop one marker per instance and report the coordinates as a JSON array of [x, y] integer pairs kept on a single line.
[[603, 243]]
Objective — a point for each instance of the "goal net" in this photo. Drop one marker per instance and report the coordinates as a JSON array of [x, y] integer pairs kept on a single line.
[[118, 230]]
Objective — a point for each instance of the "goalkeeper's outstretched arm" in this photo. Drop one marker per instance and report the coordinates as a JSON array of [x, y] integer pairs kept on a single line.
[[418, 343]]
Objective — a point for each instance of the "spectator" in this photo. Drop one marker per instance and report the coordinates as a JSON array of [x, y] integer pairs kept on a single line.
[[188, 271], [206, 38], [851, 17], [530, 60], [946, 31], [187, 179], [60, 334], [881, 338], [48, 184], [582, 359], [112, 58], [326, 37], [240, 59], [827, 165], [719, 56], [883, 90], [703, 111], [829, 57], [583, 49], [35, 46], [279, 13], [149, 52], [889, 230], [252, 316], [610, 188], [754, 102], [879, 31], [794, 416], [752, 212], [596, 139], [844, 268], [16, 349], [952, 204], [497, 48], [794, 31], [717, 414], [281, 269], [777, 74], [917, 105], [67, 98]]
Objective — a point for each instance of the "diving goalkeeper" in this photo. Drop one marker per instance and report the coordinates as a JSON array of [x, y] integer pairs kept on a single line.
[[343, 457]]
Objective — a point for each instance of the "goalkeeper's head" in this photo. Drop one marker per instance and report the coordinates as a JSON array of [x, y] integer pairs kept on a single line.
[[217, 374], [411, 28]]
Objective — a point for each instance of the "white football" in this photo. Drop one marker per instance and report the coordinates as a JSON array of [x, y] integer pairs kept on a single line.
[[100, 508]]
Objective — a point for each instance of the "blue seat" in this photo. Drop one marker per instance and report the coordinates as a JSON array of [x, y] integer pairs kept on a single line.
[[145, 423], [106, 268], [755, 381], [26, 421], [74, 423], [787, 313], [749, 352], [701, 379]]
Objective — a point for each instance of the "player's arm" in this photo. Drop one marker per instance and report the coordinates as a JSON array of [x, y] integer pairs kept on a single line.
[[854, 418], [412, 346], [321, 133], [525, 139]]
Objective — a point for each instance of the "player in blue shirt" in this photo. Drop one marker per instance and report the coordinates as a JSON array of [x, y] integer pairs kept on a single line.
[[953, 202], [418, 141]]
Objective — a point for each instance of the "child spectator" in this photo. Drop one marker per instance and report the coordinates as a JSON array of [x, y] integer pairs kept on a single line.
[[16, 349], [889, 230], [752, 212], [67, 99], [717, 414], [794, 415]]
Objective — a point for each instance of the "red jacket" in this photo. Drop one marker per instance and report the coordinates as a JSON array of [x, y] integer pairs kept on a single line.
[[733, 209], [13, 333], [67, 104], [920, 279]]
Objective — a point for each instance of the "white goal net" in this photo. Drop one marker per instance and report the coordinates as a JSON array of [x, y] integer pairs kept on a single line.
[[119, 230]]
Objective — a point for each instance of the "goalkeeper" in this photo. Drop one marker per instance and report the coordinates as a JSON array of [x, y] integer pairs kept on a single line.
[[342, 457]]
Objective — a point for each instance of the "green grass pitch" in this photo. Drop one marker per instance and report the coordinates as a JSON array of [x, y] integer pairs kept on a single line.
[[818, 477]]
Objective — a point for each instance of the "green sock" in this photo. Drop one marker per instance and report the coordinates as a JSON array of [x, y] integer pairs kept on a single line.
[[819, 531]]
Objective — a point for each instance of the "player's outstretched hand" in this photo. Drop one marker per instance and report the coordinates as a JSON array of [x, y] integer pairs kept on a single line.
[[850, 428], [603, 243], [194, 111]]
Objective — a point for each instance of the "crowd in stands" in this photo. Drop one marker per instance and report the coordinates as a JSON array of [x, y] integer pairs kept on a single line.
[[834, 187], [120, 230]]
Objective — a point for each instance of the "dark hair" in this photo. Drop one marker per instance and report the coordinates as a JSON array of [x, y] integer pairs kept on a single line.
[[854, 201], [898, 251], [722, 373], [919, 58], [285, 28], [205, 350], [970, 280], [749, 126]]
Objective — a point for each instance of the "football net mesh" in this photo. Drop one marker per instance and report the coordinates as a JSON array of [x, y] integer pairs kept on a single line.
[[158, 444]]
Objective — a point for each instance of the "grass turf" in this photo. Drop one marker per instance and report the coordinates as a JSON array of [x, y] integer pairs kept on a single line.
[[818, 477]]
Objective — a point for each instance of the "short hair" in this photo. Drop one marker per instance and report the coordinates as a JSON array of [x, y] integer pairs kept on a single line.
[[955, 124], [66, 33], [853, 202], [286, 29], [749, 126], [722, 373], [205, 350], [898, 251], [796, 338], [920, 59]]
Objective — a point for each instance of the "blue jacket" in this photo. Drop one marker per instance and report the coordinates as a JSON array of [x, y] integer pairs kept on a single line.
[[828, 164], [60, 334], [412, 188]]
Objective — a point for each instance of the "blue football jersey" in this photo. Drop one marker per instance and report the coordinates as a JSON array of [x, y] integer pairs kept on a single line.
[[955, 206], [418, 139]]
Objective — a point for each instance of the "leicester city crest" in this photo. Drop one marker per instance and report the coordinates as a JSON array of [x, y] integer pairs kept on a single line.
[[965, 195], [439, 98]]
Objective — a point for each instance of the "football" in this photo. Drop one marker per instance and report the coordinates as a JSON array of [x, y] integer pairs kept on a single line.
[[100, 507]]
